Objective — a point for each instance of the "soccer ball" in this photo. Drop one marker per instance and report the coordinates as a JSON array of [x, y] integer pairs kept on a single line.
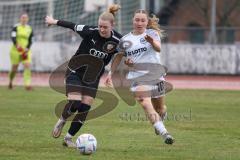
[[86, 144]]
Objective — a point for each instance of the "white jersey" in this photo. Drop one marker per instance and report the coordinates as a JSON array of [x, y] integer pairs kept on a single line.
[[140, 51]]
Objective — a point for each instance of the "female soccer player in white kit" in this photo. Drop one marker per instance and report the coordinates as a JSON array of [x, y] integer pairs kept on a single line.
[[143, 45]]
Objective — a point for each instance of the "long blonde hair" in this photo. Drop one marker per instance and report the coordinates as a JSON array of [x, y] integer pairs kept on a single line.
[[109, 15], [152, 22]]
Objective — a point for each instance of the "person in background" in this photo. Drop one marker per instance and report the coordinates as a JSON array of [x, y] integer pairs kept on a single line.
[[21, 35]]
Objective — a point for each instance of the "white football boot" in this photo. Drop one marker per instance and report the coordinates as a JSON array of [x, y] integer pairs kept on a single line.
[[68, 142], [58, 128]]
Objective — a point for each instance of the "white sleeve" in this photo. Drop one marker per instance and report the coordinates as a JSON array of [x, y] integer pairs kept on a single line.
[[154, 34], [13, 34]]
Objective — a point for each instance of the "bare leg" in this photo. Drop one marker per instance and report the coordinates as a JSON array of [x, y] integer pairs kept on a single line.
[[27, 76], [160, 107], [12, 74]]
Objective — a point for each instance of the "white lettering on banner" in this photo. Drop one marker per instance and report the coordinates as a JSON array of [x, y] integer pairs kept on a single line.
[[238, 59], [201, 59]]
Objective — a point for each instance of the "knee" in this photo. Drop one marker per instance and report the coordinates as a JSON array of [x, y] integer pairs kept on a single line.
[[27, 65], [14, 68], [143, 102], [74, 96], [87, 100]]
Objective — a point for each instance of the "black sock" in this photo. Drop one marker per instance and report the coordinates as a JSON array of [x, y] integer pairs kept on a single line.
[[70, 108], [79, 119]]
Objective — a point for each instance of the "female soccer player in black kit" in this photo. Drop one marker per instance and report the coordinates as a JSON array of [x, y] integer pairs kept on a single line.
[[99, 42]]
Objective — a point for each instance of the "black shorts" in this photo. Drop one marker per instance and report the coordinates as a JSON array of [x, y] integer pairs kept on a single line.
[[75, 83]]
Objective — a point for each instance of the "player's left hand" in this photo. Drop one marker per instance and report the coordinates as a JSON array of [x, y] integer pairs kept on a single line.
[[149, 39], [128, 62]]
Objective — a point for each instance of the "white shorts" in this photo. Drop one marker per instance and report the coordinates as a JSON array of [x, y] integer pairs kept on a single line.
[[153, 89]]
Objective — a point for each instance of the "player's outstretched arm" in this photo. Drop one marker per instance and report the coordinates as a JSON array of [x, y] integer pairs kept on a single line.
[[49, 20], [156, 44], [115, 62]]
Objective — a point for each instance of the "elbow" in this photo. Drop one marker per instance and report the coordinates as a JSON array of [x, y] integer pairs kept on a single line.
[[157, 47]]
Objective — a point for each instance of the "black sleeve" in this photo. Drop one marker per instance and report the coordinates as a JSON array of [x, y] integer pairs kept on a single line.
[[14, 35], [119, 41], [66, 24], [118, 35], [30, 40], [85, 30], [82, 30]]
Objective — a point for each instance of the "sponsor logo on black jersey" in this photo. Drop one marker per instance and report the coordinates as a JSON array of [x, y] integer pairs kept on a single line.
[[109, 47], [98, 54], [94, 41]]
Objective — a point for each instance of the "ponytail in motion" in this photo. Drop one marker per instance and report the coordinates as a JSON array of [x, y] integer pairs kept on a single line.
[[109, 15]]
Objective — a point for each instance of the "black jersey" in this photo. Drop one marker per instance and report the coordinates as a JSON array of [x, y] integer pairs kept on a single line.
[[93, 44]]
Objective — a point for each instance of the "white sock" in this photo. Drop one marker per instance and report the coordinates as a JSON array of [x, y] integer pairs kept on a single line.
[[68, 135], [62, 119], [159, 126]]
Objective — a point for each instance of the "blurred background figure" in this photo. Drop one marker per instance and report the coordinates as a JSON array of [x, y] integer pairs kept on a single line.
[[20, 52]]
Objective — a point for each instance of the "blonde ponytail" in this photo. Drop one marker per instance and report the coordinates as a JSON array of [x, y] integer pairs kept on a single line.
[[153, 24], [113, 9], [109, 15]]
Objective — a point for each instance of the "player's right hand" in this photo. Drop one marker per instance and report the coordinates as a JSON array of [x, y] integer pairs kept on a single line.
[[19, 48], [108, 81]]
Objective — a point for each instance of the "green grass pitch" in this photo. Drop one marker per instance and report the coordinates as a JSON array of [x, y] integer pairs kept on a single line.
[[205, 124]]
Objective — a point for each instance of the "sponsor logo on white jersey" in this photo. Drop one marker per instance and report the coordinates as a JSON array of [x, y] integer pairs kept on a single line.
[[136, 51], [143, 40]]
